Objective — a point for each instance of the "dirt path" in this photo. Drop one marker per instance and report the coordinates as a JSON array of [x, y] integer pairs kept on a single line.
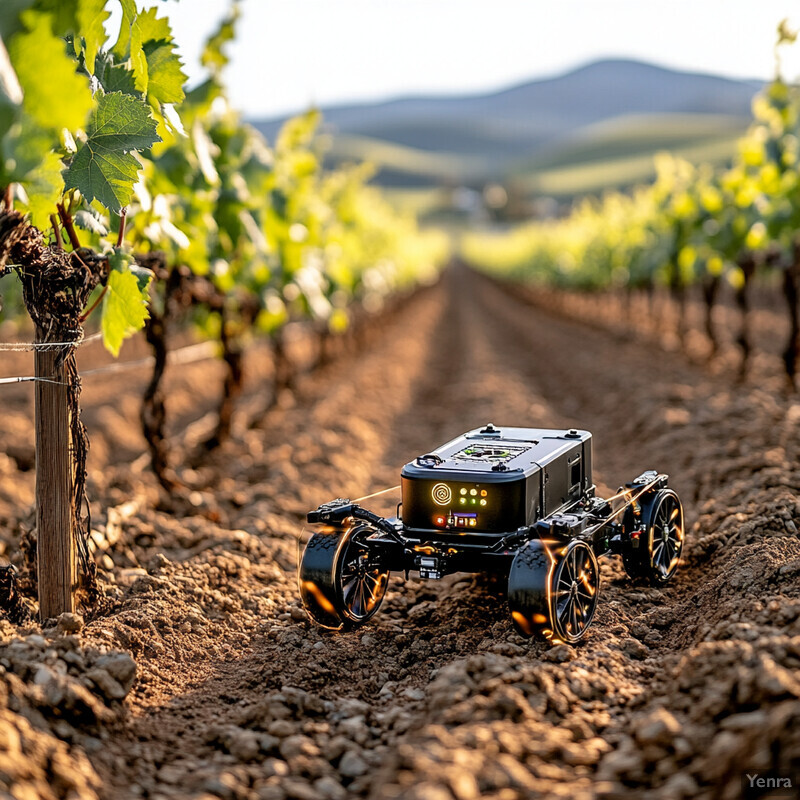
[[238, 696]]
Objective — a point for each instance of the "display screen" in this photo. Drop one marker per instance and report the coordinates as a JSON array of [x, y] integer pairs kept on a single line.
[[491, 453], [463, 506]]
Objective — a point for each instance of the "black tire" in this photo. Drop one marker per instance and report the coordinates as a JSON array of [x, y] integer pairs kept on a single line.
[[656, 554], [553, 590], [338, 586]]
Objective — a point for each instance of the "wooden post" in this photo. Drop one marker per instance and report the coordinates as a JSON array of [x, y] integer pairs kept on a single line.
[[54, 519]]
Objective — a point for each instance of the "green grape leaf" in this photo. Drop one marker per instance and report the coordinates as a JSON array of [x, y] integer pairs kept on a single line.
[[213, 56], [138, 62], [143, 276], [204, 95], [119, 259], [165, 76], [298, 132], [55, 95], [114, 77], [91, 15], [124, 308], [24, 146], [105, 176], [105, 168], [146, 28], [123, 123], [62, 15], [88, 219], [121, 48], [44, 186], [10, 16], [198, 101]]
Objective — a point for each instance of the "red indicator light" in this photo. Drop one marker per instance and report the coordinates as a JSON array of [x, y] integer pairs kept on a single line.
[[439, 520]]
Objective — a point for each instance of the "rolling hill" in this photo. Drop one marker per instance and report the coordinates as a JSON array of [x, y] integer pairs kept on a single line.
[[595, 126]]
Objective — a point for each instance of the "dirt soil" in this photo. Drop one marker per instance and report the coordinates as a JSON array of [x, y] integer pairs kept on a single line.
[[234, 694]]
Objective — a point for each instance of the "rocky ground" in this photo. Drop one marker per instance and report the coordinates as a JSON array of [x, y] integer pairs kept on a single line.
[[206, 680]]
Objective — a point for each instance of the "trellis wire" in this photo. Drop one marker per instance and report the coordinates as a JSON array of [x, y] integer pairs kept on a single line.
[[21, 347], [185, 355]]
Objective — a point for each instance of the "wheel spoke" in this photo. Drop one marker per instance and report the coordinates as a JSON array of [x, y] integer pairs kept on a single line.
[[587, 611], [563, 577], [351, 598], [349, 593], [361, 598], [657, 556], [369, 593], [667, 553], [675, 553], [564, 612]]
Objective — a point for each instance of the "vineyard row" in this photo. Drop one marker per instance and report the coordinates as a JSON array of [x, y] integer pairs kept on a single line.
[[694, 226]]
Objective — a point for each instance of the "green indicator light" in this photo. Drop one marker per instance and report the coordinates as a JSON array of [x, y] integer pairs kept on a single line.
[[474, 501]]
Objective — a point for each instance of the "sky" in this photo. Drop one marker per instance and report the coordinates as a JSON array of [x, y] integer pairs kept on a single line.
[[290, 54]]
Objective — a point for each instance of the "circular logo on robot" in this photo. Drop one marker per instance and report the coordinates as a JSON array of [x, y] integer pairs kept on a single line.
[[441, 494]]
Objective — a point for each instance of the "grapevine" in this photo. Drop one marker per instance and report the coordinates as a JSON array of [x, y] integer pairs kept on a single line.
[[70, 139], [111, 175]]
